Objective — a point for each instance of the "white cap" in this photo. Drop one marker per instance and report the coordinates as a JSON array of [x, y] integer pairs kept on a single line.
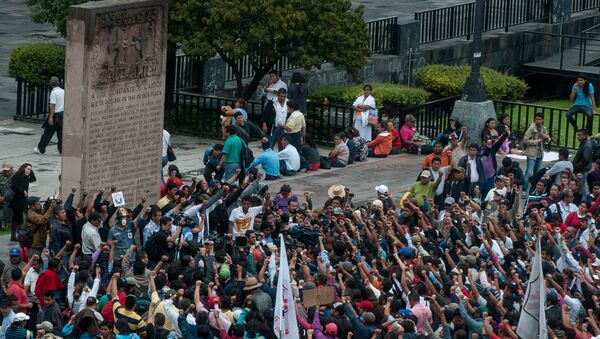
[[381, 189], [20, 317]]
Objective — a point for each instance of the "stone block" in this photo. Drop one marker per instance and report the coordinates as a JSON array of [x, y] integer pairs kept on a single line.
[[473, 116], [407, 35], [114, 97]]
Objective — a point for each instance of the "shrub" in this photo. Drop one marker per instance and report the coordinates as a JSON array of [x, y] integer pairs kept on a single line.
[[392, 94], [446, 81], [37, 62]]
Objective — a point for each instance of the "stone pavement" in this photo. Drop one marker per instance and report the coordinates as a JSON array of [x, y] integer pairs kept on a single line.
[[397, 172]]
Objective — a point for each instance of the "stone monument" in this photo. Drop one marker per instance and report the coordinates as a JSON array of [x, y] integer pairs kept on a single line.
[[114, 97], [475, 108]]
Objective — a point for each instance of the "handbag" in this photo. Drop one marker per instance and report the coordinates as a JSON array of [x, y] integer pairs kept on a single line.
[[170, 153], [373, 118], [325, 162]]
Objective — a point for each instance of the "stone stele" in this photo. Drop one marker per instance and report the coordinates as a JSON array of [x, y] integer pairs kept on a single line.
[[114, 97]]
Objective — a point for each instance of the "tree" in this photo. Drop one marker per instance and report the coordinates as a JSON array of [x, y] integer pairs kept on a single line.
[[53, 12], [307, 32]]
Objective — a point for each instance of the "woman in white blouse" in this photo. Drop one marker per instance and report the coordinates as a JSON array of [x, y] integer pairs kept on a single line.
[[361, 106]]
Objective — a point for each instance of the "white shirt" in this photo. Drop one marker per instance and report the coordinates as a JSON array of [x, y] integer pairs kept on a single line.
[[435, 175], [57, 98], [564, 209], [291, 157], [369, 101], [281, 112], [30, 279], [474, 174], [90, 239], [243, 222], [276, 86], [166, 142]]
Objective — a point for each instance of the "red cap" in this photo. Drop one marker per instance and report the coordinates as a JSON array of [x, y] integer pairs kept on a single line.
[[257, 255], [331, 329], [213, 300], [365, 304]]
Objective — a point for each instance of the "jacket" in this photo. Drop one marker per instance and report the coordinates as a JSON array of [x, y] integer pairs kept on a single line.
[[39, 223], [516, 169], [463, 163], [583, 158], [532, 139], [268, 115], [20, 185], [382, 143]]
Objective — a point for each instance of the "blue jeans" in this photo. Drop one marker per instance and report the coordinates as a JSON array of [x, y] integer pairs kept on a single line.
[[533, 166], [587, 110], [275, 137], [230, 168]]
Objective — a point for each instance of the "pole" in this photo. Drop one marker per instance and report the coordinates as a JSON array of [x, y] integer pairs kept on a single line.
[[474, 90]]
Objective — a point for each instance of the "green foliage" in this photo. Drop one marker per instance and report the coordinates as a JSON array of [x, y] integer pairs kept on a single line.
[[383, 93], [53, 12], [446, 81], [37, 62], [307, 32]]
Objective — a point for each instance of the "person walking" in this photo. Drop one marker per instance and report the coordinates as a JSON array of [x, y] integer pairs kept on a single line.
[[54, 123], [583, 95], [534, 139]]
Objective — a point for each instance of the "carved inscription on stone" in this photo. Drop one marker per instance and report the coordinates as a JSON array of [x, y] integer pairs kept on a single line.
[[125, 99]]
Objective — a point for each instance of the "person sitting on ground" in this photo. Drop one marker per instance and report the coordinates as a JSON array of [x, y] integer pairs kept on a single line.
[[310, 153], [510, 166], [339, 155], [362, 150], [351, 147], [289, 158], [438, 152], [268, 160], [382, 145], [396, 140], [454, 127], [407, 132]]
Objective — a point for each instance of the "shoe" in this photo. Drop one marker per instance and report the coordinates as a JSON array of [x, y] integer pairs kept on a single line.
[[37, 151]]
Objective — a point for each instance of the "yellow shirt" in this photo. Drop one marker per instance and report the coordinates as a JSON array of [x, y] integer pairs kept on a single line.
[[134, 320], [296, 122], [164, 201], [159, 308]]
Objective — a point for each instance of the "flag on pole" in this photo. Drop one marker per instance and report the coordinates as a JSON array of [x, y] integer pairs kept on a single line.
[[285, 324], [532, 323]]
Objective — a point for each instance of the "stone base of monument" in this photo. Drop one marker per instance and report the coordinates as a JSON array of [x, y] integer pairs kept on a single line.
[[473, 116]]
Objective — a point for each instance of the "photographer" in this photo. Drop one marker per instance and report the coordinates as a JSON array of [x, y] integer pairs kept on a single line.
[[38, 223]]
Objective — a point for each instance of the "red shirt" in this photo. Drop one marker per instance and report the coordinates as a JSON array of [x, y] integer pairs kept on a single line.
[[396, 142], [16, 288]]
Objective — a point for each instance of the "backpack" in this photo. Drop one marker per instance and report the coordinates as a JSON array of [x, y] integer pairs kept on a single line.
[[426, 149], [152, 247], [25, 237], [7, 191], [246, 155], [193, 245]]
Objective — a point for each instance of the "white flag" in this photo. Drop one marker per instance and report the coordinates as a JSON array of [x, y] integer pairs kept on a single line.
[[285, 324], [532, 323]]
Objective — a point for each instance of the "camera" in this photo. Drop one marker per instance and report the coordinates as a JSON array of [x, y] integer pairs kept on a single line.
[[241, 241]]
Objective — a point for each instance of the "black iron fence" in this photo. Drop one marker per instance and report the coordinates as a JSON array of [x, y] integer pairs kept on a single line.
[[584, 5], [457, 21], [432, 117], [188, 73], [560, 50], [32, 101], [382, 35]]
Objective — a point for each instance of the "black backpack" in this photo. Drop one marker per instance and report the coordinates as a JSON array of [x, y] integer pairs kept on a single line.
[[151, 247], [246, 155], [25, 237]]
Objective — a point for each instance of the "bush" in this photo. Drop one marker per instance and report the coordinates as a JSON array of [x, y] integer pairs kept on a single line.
[[384, 94], [37, 62], [446, 81]]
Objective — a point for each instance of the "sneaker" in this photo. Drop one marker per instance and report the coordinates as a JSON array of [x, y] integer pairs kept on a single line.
[[37, 151]]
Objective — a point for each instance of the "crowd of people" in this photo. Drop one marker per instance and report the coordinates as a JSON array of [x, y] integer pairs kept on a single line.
[[451, 257]]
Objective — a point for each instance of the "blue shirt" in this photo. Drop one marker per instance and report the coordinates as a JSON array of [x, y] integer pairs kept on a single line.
[[124, 236], [6, 323], [581, 99], [269, 162], [150, 229]]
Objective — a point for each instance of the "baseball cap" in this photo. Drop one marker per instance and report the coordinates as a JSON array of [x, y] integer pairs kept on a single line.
[[382, 189], [365, 304], [132, 281], [331, 329], [425, 174], [225, 272], [170, 293], [378, 203], [46, 326], [14, 252], [409, 117], [7, 166], [449, 201], [20, 317]]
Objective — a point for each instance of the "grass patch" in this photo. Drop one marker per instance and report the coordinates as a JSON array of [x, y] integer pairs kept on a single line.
[[558, 103]]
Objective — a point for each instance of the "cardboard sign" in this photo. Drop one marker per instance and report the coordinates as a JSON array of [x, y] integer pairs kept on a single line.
[[319, 296], [118, 199]]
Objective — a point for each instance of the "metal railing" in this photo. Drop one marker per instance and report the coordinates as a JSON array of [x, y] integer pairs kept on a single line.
[[32, 101], [584, 5], [188, 73], [382, 35], [560, 50], [432, 117], [457, 21]]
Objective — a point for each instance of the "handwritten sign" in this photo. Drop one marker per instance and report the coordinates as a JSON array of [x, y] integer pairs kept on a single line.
[[319, 296]]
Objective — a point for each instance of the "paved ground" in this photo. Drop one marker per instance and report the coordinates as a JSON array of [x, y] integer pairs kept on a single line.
[[397, 172]]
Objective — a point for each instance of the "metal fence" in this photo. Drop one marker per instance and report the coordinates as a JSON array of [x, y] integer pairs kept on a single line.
[[560, 51], [457, 21], [584, 5], [432, 117], [32, 101], [382, 35], [188, 73]]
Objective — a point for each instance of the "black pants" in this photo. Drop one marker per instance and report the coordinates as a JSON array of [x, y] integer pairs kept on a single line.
[[49, 133], [284, 170], [210, 169]]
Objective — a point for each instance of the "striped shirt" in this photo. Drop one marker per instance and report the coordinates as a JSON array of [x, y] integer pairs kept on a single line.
[[135, 321]]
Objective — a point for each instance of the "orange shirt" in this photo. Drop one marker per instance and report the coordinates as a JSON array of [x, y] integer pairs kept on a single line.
[[382, 144], [443, 156]]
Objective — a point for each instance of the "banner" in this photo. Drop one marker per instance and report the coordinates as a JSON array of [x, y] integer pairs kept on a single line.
[[532, 323], [285, 324]]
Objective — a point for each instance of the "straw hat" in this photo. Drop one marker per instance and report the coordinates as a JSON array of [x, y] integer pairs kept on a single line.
[[252, 283], [337, 191]]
